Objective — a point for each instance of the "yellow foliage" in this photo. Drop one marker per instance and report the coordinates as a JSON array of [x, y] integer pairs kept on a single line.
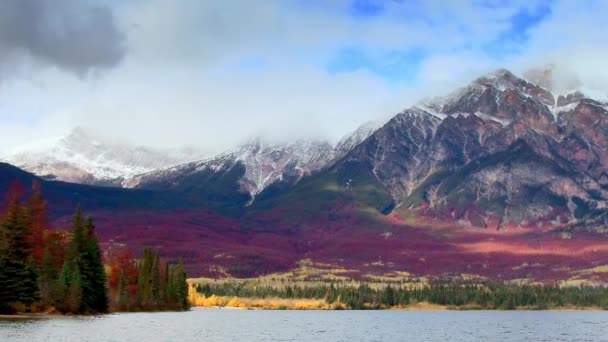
[[195, 298], [235, 302]]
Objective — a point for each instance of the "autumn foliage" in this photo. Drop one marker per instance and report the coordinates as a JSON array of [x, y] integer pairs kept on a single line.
[[147, 284], [60, 271]]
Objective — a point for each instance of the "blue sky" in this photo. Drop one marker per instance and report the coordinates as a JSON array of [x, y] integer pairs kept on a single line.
[[403, 64], [214, 73]]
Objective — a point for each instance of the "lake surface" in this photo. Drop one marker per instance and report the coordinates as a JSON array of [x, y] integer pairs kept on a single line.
[[236, 325]]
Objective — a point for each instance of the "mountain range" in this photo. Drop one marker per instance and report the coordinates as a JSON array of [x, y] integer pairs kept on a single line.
[[459, 183]]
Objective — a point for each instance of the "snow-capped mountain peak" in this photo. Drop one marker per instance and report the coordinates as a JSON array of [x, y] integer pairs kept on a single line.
[[85, 157]]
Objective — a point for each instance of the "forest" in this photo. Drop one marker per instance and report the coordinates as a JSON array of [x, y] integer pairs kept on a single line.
[[55, 271], [449, 295]]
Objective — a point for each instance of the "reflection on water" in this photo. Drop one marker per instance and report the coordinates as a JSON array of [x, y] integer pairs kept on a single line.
[[236, 325]]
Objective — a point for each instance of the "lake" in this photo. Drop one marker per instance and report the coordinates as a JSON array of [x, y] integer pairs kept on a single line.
[[236, 325]]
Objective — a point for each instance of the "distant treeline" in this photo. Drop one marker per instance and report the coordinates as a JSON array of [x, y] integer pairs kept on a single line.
[[490, 296], [43, 270]]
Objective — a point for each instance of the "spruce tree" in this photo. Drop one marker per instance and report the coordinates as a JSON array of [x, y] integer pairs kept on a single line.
[[70, 279], [123, 293], [181, 286], [83, 275], [94, 295], [155, 281], [18, 277], [144, 282]]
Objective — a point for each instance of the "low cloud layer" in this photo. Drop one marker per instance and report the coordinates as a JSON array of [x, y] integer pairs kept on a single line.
[[214, 73]]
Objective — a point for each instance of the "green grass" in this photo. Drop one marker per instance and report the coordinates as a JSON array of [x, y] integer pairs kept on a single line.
[[349, 183]]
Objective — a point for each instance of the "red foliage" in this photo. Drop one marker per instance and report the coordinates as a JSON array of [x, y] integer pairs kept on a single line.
[[55, 242], [123, 263], [15, 191], [39, 222]]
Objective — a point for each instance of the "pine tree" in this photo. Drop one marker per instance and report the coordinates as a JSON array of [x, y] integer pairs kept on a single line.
[[83, 276], [155, 280], [18, 276], [123, 293], [144, 283], [388, 297], [94, 295], [181, 286], [71, 283], [70, 279]]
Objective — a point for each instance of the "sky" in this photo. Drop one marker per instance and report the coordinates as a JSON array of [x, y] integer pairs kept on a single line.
[[213, 73]]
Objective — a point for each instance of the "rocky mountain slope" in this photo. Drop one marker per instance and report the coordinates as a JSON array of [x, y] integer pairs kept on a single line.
[[501, 151], [254, 167]]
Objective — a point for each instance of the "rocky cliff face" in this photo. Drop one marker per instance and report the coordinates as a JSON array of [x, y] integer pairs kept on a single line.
[[500, 151], [255, 166], [244, 172]]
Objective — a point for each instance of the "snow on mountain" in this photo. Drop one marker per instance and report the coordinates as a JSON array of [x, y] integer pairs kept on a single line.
[[83, 157], [264, 164], [349, 141], [501, 150]]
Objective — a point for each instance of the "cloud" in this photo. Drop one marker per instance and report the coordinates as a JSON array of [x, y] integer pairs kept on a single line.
[[74, 35], [279, 104], [214, 73]]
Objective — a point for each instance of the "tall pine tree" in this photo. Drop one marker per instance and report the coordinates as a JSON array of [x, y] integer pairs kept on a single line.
[[83, 276], [18, 278], [95, 296]]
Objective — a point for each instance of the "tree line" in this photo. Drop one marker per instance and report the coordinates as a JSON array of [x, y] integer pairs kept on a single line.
[[147, 284], [489, 296], [59, 271]]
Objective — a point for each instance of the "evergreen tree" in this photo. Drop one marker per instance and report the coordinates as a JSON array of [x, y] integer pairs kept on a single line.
[[123, 293], [155, 280], [388, 297], [18, 277], [144, 282], [181, 286], [71, 284], [83, 276], [94, 295]]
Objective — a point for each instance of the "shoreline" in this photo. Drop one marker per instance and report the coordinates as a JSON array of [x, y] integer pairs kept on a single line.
[[412, 307]]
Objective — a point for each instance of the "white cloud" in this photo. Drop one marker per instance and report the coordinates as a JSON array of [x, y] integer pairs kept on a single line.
[[186, 77]]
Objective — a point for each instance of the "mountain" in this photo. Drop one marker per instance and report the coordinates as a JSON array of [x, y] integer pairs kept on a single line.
[[499, 152], [86, 158], [517, 155], [502, 151], [252, 168], [242, 173]]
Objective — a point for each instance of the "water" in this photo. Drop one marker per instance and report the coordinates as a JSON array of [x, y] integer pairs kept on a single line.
[[235, 325]]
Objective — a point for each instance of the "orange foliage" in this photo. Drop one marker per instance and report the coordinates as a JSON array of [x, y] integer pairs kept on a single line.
[[123, 262]]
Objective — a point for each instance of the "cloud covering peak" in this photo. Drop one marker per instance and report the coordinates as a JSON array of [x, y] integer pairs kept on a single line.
[[215, 73]]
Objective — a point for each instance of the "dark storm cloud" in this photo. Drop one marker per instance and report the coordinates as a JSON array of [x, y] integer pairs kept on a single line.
[[74, 35]]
